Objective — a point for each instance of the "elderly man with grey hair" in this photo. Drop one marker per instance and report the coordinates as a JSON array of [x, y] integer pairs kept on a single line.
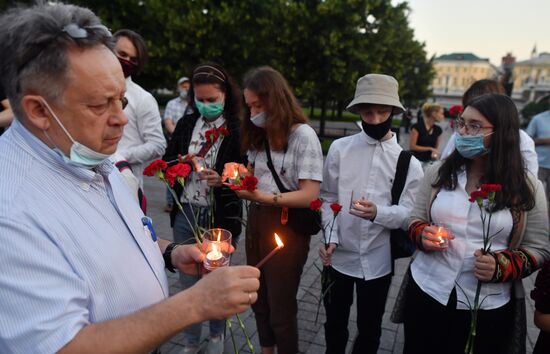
[[80, 272]]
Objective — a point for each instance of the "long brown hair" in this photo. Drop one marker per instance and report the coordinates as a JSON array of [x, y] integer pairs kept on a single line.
[[281, 108]]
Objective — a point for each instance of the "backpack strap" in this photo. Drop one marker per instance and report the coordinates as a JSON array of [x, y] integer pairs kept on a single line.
[[400, 178], [122, 165]]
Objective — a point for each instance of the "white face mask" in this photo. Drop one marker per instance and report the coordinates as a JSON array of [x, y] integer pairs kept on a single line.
[[80, 155], [259, 120]]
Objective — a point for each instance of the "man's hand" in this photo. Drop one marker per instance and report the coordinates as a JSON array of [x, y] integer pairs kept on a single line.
[[363, 208], [326, 254], [188, 259], [484, 266], [227, 291]]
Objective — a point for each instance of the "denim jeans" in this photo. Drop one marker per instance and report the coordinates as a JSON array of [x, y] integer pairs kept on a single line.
[[169, 197], [183, 233]]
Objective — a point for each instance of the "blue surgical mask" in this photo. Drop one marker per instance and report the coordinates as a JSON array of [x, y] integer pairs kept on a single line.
[[183, 94], [210, 111], [471, 146], [259, 119], [80, 155]]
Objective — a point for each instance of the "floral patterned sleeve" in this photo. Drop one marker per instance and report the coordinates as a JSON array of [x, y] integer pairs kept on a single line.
[[541, 293]]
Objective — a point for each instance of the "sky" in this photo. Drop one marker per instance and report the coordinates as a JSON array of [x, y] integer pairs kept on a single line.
[[487, 28]]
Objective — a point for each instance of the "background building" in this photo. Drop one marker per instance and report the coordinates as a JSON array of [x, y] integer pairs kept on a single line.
[[455, 72], [532, 78]]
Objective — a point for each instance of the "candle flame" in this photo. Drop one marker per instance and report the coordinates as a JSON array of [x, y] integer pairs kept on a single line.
[[214, 249], [280, 243], [236, 174], [219, 235]]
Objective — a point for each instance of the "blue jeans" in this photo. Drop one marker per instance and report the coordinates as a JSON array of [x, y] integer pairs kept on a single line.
[[169, 197], [183, 233]]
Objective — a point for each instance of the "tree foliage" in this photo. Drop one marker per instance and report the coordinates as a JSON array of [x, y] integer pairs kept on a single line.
[[321, 46]]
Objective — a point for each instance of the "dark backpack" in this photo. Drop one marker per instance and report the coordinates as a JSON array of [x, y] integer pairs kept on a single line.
[[401, 244]]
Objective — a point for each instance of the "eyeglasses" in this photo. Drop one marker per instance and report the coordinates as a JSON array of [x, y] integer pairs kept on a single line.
[[72, 30], [471, 128]]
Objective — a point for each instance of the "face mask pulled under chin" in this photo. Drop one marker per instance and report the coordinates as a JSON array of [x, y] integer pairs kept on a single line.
[[377, 131], [80, 155]]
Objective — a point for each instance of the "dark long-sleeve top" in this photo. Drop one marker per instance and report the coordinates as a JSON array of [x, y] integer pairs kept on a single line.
[[227, 206]]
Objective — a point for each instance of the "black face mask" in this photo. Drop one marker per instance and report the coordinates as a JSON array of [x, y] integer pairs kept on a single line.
[[377, 131]]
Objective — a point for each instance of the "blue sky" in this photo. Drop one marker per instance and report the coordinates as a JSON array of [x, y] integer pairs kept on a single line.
[[487, 28]]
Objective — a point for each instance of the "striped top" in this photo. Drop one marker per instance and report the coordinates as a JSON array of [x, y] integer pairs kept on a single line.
[[73, 249]]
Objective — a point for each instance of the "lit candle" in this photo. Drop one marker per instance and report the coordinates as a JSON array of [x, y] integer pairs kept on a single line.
[[442, 236], [215, 258], [280, 245]]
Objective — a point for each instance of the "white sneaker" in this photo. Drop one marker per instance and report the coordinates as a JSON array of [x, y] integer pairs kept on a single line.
[[215, 345]]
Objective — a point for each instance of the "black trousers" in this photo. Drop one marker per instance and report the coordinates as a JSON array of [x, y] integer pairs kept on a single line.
[[371, 301], [434, 328], [276, 308]]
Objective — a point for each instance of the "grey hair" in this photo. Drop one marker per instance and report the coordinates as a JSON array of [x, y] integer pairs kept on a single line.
[[34, 49]]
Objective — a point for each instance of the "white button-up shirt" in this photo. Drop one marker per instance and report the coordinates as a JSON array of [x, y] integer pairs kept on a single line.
[[437, 273], [143, 140], [73, 248], [366, 167]]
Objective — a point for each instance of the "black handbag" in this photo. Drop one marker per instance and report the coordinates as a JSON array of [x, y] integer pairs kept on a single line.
[[302, 220], [401, 244]]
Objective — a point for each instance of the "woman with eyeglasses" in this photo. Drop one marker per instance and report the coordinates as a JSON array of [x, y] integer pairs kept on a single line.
[[216, 103], [443, 276], [526, 143]]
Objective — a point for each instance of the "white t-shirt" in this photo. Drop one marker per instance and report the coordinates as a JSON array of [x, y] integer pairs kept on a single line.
[[302, 160]]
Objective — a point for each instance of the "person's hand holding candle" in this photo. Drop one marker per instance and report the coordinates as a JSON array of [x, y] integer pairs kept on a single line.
[[436, 238], [363, 208]]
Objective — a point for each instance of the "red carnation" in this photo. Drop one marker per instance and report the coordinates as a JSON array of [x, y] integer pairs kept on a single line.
[[475, 195], [491, 187], [154, 167], [336, 208], [181, 170], [249, 183], [212, 135], [455, 111], [223, 131], [316, 205]]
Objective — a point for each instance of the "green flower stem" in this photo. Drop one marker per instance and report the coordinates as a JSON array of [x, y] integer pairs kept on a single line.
[[228, 322], [180, 207], [248, 343]]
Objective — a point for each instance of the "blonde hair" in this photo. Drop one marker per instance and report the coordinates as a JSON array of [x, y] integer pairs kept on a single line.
[[429, 108]]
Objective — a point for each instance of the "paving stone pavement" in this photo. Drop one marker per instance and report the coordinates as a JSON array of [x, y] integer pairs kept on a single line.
[[311, 332]]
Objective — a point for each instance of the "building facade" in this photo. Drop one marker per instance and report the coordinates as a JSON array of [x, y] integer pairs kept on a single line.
[[457, 71], [532, 78]]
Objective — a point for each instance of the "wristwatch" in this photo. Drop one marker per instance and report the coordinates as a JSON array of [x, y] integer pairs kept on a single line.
[[167, 255]]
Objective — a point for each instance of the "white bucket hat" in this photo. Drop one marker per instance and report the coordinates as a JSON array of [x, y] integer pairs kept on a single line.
[[376, 89]]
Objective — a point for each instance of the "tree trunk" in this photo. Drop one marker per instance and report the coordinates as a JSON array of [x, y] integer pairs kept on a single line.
[[323, 117], [340, 109]]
